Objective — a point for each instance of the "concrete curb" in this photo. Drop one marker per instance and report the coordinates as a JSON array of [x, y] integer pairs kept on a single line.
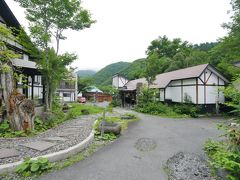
[[56, 156]]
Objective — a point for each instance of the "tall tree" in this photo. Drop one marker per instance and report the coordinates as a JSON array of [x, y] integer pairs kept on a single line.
[[84, 82], [167, 48], [55, 69], [227, 51], [152, 68], [48, 19]]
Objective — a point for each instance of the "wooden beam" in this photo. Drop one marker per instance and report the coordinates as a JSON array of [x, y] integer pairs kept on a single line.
[[33, 78], [182, 90], [196, 90], [164, 94], [218, 88], [201, 80], [208, 77], [205, 99]]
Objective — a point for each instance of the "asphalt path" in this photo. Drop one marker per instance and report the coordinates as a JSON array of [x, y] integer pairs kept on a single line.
[[124, 160]]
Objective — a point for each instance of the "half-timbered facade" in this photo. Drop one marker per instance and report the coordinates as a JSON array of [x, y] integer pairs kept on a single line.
[[118, 81], [199, 84]]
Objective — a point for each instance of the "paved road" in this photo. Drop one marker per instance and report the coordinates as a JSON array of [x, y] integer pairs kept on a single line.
[[122, 161]]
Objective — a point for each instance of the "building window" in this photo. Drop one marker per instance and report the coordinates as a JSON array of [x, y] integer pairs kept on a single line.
[[66, 94], [35, 89]]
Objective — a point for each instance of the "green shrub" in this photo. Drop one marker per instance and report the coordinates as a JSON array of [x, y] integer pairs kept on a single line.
[[188, 109], [158, 108], [177, 110], [211, 147], [145, 95], [115, 103], [34, 167], [223, 157]]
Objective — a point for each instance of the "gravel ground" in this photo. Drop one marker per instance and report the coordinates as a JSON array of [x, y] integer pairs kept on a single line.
[[85, 124], [188, 166]]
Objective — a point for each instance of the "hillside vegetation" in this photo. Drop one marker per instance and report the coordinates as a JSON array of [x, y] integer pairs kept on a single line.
[[169, 55], [135, 69], [86, 73], [104, 76]]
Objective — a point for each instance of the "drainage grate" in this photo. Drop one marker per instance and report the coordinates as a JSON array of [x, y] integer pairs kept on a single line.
[[145, 144]]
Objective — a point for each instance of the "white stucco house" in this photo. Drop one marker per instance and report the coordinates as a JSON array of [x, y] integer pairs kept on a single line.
[[118, 81], [68, 88], [200, 84]]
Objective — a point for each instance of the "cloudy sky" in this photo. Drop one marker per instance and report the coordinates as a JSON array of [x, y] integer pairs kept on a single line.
[[125, 28]]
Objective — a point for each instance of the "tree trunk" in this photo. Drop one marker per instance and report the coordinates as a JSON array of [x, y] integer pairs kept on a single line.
[[7, 86], [47, 106], [51, 97], [20, 111]]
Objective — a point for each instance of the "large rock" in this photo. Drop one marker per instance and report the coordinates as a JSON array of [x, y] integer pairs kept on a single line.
[[46, 116], [110, 127]]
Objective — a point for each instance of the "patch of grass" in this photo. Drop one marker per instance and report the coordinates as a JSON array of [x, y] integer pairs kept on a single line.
[[76, 109]]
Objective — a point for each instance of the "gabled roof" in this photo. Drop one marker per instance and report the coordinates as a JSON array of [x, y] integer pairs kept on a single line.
[[8, 16], [132, 85], [162, 80], [92, 89]]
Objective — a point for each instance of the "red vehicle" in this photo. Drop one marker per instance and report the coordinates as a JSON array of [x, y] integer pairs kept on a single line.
[[82, 100]]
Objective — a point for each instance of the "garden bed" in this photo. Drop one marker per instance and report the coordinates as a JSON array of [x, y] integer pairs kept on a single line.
[[62, 137]]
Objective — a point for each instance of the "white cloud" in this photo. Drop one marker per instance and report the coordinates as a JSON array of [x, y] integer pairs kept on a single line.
[[125, 28]]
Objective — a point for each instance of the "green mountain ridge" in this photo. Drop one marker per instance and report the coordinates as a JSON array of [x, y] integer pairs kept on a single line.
[[104, 76], [85, 73], [136, 69], [131, 70]]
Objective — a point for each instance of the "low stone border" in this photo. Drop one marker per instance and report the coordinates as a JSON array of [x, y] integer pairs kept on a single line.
[[56, 156]]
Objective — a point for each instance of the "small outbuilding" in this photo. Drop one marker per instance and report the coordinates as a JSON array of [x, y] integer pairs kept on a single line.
[[92, 93]]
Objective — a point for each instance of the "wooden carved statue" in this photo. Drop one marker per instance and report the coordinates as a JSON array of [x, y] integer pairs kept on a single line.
[[21, 112]]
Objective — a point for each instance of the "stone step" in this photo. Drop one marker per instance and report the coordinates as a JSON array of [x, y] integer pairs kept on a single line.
[[39, 145], [8, 152], [55, 138]]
